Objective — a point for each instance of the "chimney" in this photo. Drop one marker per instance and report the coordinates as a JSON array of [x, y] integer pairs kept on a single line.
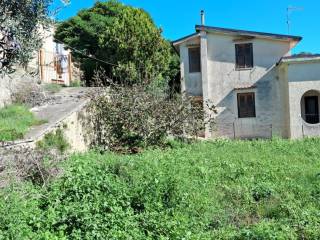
[[202, 18]]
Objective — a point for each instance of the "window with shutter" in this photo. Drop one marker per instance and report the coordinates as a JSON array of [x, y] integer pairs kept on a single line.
[[194, 60], [246, 105], [244, 56]]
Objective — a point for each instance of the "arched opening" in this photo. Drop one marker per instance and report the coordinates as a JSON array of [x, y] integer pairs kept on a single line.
[[310, 107]]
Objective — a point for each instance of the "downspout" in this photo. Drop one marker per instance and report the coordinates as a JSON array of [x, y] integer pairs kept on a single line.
[[204, 75]]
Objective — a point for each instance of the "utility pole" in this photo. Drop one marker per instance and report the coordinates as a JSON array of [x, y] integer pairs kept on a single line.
[[291, 9]]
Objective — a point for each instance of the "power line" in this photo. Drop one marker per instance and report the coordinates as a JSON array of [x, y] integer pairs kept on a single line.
[[88, 56], [94, 58]]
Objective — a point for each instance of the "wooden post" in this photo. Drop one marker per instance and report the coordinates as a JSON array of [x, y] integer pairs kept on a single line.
[[70, 67], [41, 65]]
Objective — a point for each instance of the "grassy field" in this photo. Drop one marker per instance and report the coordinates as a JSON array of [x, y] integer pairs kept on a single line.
[[207, 190], [15, 120]]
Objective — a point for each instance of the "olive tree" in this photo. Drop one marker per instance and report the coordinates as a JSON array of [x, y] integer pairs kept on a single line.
[[20, 21]]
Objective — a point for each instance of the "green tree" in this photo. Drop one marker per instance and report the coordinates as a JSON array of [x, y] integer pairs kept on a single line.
[[20, 21], [122, 35]]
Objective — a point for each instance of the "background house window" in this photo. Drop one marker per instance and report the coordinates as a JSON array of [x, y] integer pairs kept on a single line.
[[194, 60], [244, 56], [246, 105]]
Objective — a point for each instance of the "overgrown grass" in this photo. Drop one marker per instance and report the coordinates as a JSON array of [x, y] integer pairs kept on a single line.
[[208, 190], [52, 87], [76, 83], [15, 120], [54, 140]]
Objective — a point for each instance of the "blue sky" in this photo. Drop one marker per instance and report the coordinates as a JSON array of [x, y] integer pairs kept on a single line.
[[178, 17]]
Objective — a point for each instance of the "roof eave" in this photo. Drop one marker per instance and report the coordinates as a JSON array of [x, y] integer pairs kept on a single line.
[[249, 33], [185, 39], [300, 60]]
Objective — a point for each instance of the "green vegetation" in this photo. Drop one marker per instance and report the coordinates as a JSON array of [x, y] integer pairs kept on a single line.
[[208, 190], [55, 140], [122, 35], [19, 29], [128, 119], [15, 121], [52, 87], [76, 83]]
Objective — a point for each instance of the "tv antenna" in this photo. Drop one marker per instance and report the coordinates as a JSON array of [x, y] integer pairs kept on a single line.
[[291, 9]]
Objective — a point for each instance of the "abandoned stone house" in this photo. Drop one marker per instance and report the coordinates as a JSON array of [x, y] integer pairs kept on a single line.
[[259, 89]]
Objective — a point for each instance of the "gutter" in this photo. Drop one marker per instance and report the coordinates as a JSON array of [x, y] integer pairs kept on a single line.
[[299, 60]]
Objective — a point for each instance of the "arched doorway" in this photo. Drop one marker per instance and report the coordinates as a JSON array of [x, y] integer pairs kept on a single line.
[[310, 107]]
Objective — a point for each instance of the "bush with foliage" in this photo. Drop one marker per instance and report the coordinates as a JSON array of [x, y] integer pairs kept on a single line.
[[202, 191], [128, 118], [121, 35]]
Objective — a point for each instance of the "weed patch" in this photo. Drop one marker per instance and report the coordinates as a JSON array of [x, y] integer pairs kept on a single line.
[[52, 87], [15, 120], [207, 190], [55, 140]]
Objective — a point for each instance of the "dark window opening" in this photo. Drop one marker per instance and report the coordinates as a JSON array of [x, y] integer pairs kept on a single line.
[[246, 105], [244, 56], [311, 109], [194, 60]]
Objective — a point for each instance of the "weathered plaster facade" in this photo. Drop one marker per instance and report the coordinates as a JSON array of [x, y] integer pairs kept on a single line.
[[278, 86], [191, 82], [303, 79]]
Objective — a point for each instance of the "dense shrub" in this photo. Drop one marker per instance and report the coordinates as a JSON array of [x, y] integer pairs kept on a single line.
[[199, 191], [127, 118]]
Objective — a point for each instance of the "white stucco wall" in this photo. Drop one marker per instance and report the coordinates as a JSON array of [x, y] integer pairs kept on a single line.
[[302, 77], [223, 78], [191, 82], [278, 87]]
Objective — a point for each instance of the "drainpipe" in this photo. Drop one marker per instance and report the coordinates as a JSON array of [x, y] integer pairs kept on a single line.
[[204, 74]]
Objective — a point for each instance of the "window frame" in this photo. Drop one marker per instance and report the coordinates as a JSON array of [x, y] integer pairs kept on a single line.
[[245, 66], [191, 70], [254, 112]]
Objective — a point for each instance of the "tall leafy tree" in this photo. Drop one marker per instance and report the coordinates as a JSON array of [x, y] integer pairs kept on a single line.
[[121, 39]]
